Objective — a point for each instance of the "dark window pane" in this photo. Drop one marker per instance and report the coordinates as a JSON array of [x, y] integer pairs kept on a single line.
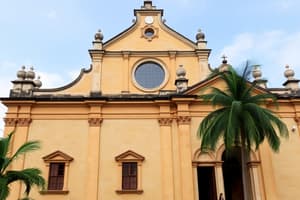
[[129, 175], [149, 75], [56, 176], [126, 169], [149, 32]]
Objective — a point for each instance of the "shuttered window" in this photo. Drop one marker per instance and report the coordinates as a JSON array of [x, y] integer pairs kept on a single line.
[[129, 175], [56, 176]]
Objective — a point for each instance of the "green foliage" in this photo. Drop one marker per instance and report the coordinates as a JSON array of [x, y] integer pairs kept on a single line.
[[29, 177], [240, 118]]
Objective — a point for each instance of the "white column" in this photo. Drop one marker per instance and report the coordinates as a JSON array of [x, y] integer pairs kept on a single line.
[[255, 180], [219, 179]]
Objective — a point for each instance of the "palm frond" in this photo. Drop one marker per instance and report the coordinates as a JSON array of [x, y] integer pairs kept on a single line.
[[4, 191], [4, 148], [30, 177], [240, 118], [25, 148]]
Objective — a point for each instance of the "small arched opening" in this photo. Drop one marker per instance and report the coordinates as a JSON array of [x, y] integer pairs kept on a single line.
[[204, 163], [233, 174]]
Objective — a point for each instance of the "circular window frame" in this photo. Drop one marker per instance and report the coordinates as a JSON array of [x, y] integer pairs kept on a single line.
[[154, 31], [149, 32], [138, 86]]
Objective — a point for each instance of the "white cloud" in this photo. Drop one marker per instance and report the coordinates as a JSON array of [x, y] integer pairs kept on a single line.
[[286, 5], [2, 115], [51, 80], [8, 72], [52, 14], [7, 65], [5, 85], [273, 49], [74, 74]]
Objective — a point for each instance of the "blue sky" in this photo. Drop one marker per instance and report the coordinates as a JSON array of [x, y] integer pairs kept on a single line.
[[54, 35]]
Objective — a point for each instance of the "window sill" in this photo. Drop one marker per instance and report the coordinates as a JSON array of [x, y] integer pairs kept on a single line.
[[54, 192], [129, 191]]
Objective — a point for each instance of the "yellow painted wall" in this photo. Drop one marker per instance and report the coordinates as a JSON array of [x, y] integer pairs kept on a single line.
[[140, 136], [286, 164], [163, 42], [114, 68], [63, 125], [68, 136]]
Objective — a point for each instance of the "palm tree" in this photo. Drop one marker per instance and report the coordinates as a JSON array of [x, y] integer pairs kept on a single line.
[[240, 120], [30, 176]]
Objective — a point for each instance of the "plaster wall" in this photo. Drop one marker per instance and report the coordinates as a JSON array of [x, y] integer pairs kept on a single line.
[[163, 42], [286, 164], [140, 136], [68, 136]]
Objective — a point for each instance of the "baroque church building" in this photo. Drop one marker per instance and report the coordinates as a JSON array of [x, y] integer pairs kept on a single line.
[[126, 128]]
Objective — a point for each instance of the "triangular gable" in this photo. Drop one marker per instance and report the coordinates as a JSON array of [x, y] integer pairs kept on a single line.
[[217, 82], [129, 156], [57, 156], [165, 35], [133, 35]]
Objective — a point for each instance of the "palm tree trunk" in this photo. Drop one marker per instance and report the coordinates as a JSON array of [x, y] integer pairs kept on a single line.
[[247, 194], [244, 158]]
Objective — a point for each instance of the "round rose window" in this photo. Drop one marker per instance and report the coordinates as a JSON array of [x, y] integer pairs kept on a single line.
[[149, 75]]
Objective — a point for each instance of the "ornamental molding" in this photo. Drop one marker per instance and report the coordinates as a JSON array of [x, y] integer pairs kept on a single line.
[[253, 164], [58, 156], [165, 121], [10, 122], [151, 28], [184, 119], [95, 121], [129, 156], [24, 121]]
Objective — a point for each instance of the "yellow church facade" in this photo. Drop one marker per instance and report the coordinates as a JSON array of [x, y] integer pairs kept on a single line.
[[126, 128]]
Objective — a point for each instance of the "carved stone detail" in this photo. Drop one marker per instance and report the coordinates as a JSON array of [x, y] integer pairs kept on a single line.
[[24, 121], [10, 121], [95, 121], [183, 119], [165, 121], [297, 120]]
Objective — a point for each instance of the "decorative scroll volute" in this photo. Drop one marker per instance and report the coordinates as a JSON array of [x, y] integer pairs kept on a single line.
[[24, 121], [95, 121], [165, 121], [10, 122], [183, 119], [297, 119]]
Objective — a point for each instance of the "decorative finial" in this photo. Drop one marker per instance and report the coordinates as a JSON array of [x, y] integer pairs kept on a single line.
[[21, 74], [289, 73], [148, 5], [99, 36], [224, 66], [30, 75], [291, 83], [200, 36], [224, 59], [38, 82], [181, 82], [256, 72], [180, 72]]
